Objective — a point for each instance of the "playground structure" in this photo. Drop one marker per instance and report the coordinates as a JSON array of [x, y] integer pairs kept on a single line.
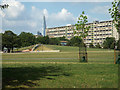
[[42, 48]]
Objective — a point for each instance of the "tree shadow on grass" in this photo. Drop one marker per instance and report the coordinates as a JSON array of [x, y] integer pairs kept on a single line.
[[18, 76]]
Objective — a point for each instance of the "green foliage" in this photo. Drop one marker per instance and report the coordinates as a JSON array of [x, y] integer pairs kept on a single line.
[[54, 41], [109, 43], [27, 39], [43, 40], [81, 28], [97, 46], [75, 41], [115, 14], [62, 38], [118, 44], [10, 40], [91, 45]]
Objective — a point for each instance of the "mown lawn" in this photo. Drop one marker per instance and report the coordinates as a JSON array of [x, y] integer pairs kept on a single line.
[[60, 76], [60, 70]]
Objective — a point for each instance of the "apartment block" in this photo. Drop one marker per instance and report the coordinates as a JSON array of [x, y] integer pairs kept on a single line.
[[97, 33]]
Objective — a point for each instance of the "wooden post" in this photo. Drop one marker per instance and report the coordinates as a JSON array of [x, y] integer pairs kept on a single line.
[[79, 52]]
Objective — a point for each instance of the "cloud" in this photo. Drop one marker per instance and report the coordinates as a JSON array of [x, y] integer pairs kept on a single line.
[[100, 10], [61, 18], [18, 19], [14, 10]]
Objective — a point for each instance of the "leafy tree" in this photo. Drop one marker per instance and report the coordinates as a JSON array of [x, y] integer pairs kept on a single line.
[[9, 40], [109, 43], [91, 45], [118, 44], [62, 38], [54, 41], [98, 45], [27, 39], [115, 14], [46, 40], [43, 40], [75, 41], [81, 28], [39, 39]]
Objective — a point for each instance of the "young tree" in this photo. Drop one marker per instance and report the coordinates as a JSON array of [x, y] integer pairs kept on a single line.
[[115, 14], [81, 29]]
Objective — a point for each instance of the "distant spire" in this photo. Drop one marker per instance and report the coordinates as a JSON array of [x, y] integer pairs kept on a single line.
[[44, 26]]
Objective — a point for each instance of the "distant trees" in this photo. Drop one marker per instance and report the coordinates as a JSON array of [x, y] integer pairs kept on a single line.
[[97, 46], [75, 41], [109, 43], [54, 41], [10, 40], [27, 39], [91, 45]]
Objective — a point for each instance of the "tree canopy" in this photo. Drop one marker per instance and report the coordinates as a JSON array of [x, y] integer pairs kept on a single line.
[[109, 43]]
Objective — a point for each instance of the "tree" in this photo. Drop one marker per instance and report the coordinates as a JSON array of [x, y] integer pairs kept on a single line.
[[43, 40], [91, 45], [62, 38], [118, 46], [9, 40], [109, 43], [115, 14], [27, 39], [82, 30], [46, 40], [98, 45], [54, 41], [40, 39], [75, 41]]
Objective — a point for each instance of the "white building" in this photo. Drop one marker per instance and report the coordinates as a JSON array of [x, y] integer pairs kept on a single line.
[[97, 33]]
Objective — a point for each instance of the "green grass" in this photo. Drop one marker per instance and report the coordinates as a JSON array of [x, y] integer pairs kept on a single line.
[[60, 69], [60, 76]]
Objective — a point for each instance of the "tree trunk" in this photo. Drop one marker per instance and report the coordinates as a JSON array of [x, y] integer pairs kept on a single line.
[[8, 50], [12, 49]]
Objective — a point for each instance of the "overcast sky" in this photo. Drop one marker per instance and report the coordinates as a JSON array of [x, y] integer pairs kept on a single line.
[[28, 16]]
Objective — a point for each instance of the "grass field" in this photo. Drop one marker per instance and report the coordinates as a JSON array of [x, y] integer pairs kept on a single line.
[[60, 69]]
